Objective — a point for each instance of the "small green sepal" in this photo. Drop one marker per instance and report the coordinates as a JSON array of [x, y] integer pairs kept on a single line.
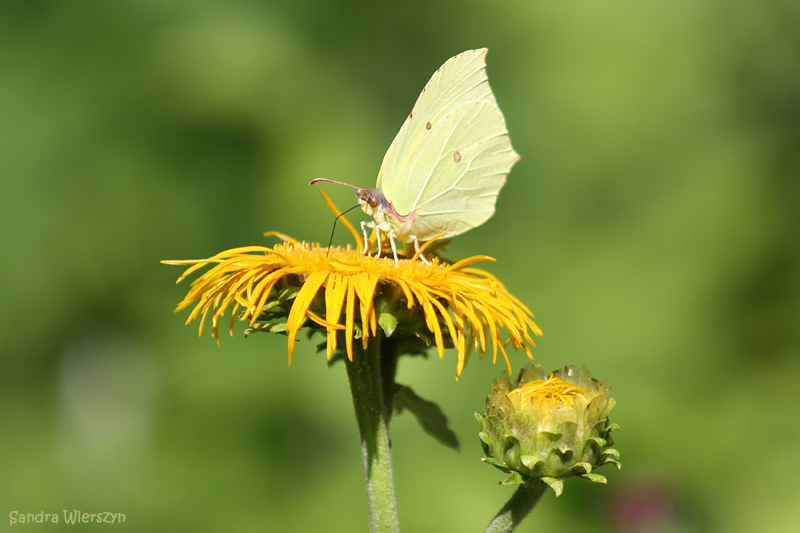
[[267, 327], [388, 323], [514, 479], [597, 478], [554, 483]]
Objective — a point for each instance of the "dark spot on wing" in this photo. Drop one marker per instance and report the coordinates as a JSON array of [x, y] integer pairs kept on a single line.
[[427, 125], [457, 157]]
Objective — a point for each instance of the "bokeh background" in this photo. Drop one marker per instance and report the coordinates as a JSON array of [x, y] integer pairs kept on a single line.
[[651, 226]]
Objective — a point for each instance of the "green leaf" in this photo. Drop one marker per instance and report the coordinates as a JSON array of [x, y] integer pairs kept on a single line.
[[428, 414]]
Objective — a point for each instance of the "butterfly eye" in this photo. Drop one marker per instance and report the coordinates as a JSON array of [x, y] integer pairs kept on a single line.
[[367, 196]]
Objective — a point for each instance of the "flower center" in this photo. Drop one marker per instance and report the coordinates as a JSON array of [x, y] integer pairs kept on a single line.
[[545, 395]]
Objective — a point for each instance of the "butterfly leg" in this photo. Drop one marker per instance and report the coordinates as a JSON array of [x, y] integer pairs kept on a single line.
[[364, 231], [416, 250], [394, 248], [380, 248], [364, 226]]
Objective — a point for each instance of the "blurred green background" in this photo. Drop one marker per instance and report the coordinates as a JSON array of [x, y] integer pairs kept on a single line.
[[651, 226]]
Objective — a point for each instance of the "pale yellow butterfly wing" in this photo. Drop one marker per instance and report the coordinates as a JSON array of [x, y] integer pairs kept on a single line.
[[450, 158]]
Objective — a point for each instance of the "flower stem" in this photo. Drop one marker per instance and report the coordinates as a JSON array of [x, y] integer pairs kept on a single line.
[[514, 512], [372, 415]]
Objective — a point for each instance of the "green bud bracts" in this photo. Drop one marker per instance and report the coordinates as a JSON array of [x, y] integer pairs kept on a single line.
[[548, 428]]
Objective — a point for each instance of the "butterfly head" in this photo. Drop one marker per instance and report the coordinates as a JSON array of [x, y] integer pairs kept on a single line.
[[370, 201], [375, 204]]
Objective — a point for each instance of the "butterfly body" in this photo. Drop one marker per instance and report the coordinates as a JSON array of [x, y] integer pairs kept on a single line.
[[387, 219]]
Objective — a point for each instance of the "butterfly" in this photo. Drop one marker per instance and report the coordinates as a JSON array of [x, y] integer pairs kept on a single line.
[[444, 169]]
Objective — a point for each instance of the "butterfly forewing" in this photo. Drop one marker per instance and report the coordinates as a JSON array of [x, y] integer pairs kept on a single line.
[[462, 167], [450, 158]]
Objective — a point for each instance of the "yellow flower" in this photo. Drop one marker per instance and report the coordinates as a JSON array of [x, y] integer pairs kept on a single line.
[[479, 305]]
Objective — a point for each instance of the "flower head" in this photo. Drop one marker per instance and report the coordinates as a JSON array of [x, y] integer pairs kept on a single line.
[[309, 285], [549, 429]]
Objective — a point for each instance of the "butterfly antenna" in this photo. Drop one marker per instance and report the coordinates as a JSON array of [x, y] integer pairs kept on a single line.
[[312, 182], [334, 225]]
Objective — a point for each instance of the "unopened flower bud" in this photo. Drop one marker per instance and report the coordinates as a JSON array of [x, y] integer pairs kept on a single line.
[[548, 429]]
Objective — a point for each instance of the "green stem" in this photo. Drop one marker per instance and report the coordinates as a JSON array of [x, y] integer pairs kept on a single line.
[[521, 503], [366, 385]]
